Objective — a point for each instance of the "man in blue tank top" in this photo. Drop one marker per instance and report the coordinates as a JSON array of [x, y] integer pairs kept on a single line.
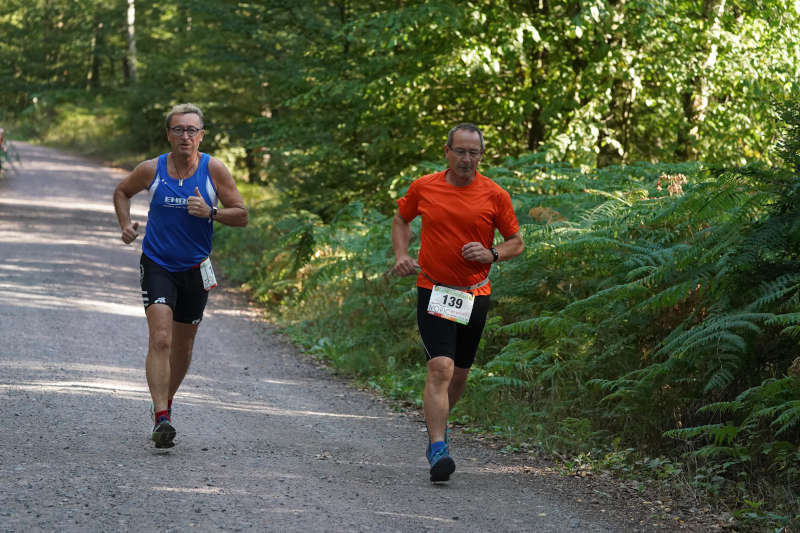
[[175, 271]]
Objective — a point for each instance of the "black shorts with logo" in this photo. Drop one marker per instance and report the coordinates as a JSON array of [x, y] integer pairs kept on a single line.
[[183, 291], [444, 337]]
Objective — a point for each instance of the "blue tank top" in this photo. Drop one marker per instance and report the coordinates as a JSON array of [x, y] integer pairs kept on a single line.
[[173, 238]]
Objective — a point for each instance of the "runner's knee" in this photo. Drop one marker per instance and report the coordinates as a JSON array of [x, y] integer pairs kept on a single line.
[[440, 369], [161, 340]]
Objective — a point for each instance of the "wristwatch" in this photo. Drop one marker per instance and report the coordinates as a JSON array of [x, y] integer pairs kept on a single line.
[[213, 213], [494, 254]]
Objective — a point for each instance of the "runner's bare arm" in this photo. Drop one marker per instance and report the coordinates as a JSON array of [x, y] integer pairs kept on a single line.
[[233, 212], [511, 247], [404, 264], [135, 182]]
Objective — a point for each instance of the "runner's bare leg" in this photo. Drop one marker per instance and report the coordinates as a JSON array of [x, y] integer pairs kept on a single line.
[[180, 356], [436, 403], [157, 366], [457, 385]]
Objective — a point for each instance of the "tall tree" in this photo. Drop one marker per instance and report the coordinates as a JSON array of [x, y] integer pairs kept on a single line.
[[696, 92], [130, 38]]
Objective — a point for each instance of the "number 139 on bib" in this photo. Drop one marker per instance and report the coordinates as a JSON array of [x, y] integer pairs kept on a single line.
[[451, 304]]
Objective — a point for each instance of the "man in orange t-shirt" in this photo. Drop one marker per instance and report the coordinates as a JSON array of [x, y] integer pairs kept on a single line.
[[460, 210]]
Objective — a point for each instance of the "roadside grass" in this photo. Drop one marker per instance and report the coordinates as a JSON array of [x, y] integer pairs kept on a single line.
[[87, 124]]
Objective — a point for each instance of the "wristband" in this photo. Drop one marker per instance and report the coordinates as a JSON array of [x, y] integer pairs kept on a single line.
[[213, 213], [495, 255]]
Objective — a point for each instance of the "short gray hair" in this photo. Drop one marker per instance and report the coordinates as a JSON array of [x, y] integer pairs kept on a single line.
[[182, 109], [466, 126]]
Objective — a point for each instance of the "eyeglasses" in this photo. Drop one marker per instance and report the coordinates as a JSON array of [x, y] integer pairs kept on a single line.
[[191, 131], [460, 152]]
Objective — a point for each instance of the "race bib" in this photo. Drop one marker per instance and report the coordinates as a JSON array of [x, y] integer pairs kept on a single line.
[[451, 304], [207, 272]]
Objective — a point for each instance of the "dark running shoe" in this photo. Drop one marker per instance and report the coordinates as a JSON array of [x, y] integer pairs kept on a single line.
[[163, 434], [152, 411], [442, 465]]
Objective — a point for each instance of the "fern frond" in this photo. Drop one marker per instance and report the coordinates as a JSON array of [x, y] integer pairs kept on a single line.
[[792, 331], [497, 382], [550, 324], [714, 331], [784, 319], [721, 378], [722, 408], [692, 432], [670, 296], [789, 417], [603, 298]]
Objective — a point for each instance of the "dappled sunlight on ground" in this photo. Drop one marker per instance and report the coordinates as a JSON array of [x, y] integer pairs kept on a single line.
[[36, 365], [193, 490], [136, 390], [11, 295], [285, 382], [254, 313], [193, 398], [418, 516], [118, 389], [530, 469], [67, 204]]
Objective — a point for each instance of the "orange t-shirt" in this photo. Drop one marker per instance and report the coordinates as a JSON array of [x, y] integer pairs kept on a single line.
[[451, 217]]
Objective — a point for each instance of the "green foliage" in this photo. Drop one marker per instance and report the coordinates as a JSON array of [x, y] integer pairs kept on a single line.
[[330, 100]]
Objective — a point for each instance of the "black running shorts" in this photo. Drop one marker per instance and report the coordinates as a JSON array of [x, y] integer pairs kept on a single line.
[[183, 291], [444, 337]]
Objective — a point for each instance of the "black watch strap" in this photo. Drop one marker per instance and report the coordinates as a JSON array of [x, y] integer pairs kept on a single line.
[[495, 254]]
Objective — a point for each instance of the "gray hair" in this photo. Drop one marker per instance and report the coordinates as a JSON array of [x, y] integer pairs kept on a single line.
[[182, 109], [466, 126]]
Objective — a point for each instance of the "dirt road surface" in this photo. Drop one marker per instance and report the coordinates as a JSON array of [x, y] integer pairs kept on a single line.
[[267, 441]]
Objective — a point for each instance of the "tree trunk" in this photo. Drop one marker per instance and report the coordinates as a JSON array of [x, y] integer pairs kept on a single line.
[[93, 76], [616, 122], [695, 99], [535, 128], [130, 37]]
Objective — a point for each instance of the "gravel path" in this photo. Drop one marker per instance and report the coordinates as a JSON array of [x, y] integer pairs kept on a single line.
[[267, 441]]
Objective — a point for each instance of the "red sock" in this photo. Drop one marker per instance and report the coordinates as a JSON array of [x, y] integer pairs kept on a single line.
[[159, 414]]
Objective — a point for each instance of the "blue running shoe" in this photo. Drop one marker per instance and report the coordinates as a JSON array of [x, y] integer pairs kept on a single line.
[[163, 433], [442, 465]]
